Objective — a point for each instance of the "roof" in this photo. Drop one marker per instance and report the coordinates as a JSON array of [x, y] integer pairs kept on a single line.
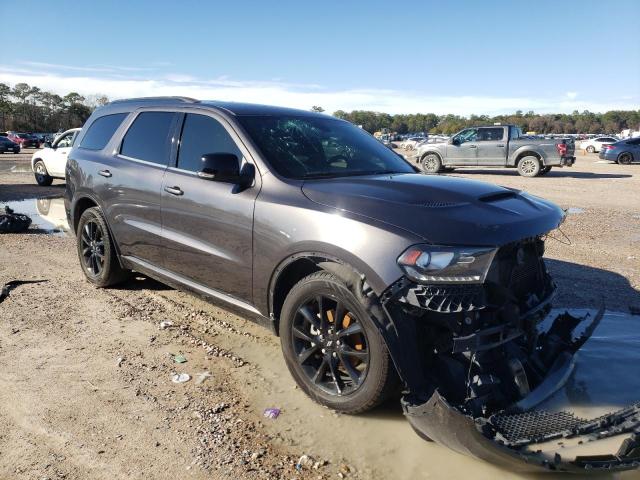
[[234, 108]]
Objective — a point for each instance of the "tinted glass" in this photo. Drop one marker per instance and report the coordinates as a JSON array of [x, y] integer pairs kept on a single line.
[[317, 147], [468, 135], [202, 134], [148, 137], [66, 141], [490, 134], [101, 131], [635, 141]]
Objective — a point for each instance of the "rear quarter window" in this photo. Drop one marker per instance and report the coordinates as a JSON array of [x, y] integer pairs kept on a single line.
[[101, 131]]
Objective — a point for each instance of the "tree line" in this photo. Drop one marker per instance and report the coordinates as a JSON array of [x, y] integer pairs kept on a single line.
[[25, 108], [613, 121], [30, 109]]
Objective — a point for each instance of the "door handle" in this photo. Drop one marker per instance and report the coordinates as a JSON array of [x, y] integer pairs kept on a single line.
[[174, 190], [105, 173], [501, 145], [473, 146]]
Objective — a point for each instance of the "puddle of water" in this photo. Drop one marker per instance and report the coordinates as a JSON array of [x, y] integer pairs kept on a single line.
[[47, 214], [607, 369], [574, 210]]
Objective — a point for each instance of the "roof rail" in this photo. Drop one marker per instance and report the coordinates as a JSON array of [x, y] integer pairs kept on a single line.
[[156, 99]]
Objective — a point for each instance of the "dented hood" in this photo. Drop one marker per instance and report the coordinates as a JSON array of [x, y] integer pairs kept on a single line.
[[440, 209]]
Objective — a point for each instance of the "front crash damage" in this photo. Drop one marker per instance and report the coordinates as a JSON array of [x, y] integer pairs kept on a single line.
[[478, 360]]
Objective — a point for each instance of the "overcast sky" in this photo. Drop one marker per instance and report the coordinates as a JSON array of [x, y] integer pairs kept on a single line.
[[462, 57]]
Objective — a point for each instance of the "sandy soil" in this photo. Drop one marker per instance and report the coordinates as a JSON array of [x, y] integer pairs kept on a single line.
[[85, 384]]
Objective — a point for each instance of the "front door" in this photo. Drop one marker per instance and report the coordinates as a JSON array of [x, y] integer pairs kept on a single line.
[[208, 225], [462, 150], [56, 158], [492, 146]]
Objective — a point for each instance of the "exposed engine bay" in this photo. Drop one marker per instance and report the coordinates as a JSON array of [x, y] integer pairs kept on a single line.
[[477, 359]]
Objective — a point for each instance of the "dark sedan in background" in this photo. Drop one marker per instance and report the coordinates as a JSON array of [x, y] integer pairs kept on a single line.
[[7, 145], [623, 152]]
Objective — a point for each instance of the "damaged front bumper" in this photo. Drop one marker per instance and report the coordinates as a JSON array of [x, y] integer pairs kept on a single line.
[[479, 360], [523, 438]]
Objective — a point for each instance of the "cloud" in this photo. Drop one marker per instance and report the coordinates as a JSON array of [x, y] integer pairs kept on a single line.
[[278, 92]]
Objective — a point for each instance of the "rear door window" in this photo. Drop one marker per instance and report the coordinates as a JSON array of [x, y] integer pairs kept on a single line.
[[148, 137], [101, 131], [203, 134], [490, 134]]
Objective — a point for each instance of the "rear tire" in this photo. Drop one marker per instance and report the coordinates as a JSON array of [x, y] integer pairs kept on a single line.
[[348, 372], [625, 158], [96, 250], [431, 163], [529, 166], [42, 176]]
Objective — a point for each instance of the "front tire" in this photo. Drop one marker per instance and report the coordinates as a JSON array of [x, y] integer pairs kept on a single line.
[[591, 149], [431, 163], [529, 166], [332, 347], [42, 176], [96, 250]]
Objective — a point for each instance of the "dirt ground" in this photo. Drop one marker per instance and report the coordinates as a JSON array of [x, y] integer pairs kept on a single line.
[[85, 378]]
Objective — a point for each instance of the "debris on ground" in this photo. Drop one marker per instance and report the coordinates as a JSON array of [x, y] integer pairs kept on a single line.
[[180, 377], [202, 376], [119, 361], [165, 324], [574, 210], [305, 461], [11, 222], [179, 358], [272, 413], [4, 291]]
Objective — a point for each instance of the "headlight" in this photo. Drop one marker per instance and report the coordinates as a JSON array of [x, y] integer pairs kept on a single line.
[[438, 264]]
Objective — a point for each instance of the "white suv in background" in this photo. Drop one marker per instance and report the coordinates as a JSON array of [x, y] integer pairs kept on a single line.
[[594, 145], [49, 162]]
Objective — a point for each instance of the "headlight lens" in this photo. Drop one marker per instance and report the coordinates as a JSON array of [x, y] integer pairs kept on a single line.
[[439, 264]]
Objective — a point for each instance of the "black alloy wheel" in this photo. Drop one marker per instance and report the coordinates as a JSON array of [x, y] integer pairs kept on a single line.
[[331, 345]]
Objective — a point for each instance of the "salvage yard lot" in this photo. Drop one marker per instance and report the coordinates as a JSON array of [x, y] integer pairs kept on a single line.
[[86, 391]]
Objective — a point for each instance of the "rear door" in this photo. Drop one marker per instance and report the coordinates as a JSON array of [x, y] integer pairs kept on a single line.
[[492, 146], [462, 150], [207, 225], [132, 182]]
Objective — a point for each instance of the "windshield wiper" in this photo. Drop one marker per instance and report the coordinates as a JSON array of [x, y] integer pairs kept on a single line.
[[348, 174]]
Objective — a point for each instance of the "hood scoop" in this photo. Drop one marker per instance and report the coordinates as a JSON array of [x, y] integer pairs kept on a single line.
[[496, 197]]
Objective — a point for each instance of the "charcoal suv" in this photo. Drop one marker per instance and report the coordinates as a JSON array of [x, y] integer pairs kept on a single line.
[[371, 273]]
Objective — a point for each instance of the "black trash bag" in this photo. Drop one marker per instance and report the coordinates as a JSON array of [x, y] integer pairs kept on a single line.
[[11, 222]]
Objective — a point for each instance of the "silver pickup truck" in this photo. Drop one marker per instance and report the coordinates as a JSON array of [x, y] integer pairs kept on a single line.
[[497, 146]]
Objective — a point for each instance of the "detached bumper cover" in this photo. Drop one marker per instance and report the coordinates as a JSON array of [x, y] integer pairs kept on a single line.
[[486, 438]]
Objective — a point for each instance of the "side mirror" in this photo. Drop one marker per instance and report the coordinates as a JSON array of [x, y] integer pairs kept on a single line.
[[454, 141], [47, 145], [225, 167]]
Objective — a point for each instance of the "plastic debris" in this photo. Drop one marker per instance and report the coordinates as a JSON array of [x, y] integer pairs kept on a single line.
[[165, 324], [180, 378], [179, 358], [4, 291], [305, 461], [202, 376], [120, 360], [574, 210], [272, 413], [11, 222]]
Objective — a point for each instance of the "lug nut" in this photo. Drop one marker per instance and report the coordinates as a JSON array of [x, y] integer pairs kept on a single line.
[[335, 354], [324, 351]]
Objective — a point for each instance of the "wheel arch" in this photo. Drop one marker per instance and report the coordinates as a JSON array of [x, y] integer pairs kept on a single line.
[[528, 153], [294, 268], [430, 152]]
